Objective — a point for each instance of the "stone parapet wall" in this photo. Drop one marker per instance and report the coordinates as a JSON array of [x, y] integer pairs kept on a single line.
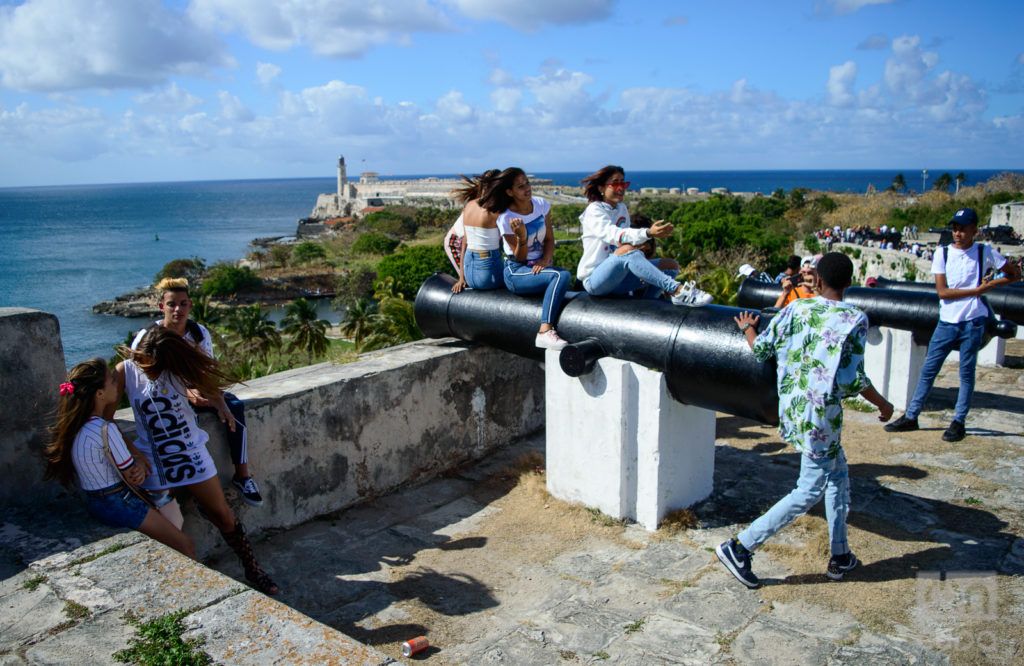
[[31, 370], [325, 437]]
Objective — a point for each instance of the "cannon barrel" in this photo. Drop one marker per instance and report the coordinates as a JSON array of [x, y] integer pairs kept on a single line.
[[915, 311], [1007, 301], [705, 360]]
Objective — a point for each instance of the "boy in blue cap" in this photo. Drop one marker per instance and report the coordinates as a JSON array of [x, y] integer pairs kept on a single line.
[[960, 271]]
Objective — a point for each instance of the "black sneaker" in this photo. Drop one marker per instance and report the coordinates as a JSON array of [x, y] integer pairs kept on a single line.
[[840, 565], [955, 432], [738, 564], [249, 491], [902, 424]]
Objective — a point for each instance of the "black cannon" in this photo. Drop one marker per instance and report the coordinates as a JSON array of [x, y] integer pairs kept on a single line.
[[704, 358], [914, 311], [1007, 301]]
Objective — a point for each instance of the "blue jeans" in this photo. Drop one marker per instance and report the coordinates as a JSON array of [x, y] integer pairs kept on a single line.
[[828, 477], [552, 281], [621, 274], [483, 272], [238, 441], [964, 336], [116, 506]]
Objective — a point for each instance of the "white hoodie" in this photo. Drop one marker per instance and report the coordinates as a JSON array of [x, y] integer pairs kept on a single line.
[[605, 227]]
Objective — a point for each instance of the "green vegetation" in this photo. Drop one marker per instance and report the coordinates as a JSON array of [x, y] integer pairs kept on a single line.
[[410, 266], [100, 553], [191, 269], [225, 278], [75, 610], [34, 582], [635, 626], [372, 242], [159, 643], [308, 252], [308, 332]]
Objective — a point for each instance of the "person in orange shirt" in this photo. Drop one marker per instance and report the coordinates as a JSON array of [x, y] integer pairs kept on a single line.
[[802, 286]]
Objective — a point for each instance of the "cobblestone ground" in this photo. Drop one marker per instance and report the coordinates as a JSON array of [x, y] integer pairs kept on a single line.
[[493, 570]]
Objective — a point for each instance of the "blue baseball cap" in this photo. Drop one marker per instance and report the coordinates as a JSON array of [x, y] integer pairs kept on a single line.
[[963, 217]]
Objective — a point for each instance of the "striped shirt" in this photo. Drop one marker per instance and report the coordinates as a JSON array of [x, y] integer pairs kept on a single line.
[[91, 463]]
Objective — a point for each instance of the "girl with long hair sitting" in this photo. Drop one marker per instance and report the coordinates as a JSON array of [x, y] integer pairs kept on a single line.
[[87, 448], [612, 263], [479, 255], [529, 244], [156, 376]]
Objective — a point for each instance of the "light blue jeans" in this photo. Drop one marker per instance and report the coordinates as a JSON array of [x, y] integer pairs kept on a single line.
[[965, 337], [621, 274], [552, 281], [482, 270], [828, 477]]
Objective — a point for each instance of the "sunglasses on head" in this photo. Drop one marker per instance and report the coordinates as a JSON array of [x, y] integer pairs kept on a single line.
[[621, 185]]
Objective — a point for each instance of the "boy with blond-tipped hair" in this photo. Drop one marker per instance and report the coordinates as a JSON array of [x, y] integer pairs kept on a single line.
[[176, 305]]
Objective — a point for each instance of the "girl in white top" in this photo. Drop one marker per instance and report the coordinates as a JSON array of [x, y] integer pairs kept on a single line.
[[90, 449], [479, 259], [529, 245], [612, 264], [157, 374]]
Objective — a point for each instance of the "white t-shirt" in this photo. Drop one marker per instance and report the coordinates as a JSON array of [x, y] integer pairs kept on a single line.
[[605, 227], [536, 229], [206, 346], [91, 463], [962, 273], [167, 431]]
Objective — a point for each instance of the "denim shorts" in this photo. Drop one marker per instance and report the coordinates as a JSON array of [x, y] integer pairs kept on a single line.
[[117, 509]]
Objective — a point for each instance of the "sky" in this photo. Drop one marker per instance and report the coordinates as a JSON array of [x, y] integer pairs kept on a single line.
[[102, 91]]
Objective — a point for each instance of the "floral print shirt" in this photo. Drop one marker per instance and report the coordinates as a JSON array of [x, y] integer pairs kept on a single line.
[[819, 347]]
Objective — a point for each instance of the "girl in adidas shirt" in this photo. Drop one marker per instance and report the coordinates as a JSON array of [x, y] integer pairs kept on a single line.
[[88, 449]]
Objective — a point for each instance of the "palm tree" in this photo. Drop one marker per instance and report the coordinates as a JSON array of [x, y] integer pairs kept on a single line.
[[395, 324], [205, 312], [254, 333], [943, 182], [359, 320], [899, 183], [307, 332], [960, 178]]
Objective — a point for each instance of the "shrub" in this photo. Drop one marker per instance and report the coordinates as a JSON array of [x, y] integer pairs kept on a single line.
[[412, 265], [281, 254], [308, 251], [225, 278], [192, 269], [374, 243], [353, 284], [566, 216], [812, 244], [400, 222], [567, 256]]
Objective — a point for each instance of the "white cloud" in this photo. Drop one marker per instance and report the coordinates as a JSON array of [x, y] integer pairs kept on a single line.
[[851, 6], [339, 28], [232, 109], [266, 72], [453, 106], [50, 45], [170, 99], [840, 83], [876, 42], [533, 14]]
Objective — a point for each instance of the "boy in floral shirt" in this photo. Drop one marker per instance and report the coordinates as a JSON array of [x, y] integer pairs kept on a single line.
[[819, 346]]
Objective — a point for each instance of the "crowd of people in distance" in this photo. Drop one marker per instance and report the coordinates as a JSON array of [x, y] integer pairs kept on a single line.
[[503, 238]]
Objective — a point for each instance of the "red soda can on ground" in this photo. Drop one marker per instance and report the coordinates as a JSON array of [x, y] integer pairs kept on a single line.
[[414, 645]]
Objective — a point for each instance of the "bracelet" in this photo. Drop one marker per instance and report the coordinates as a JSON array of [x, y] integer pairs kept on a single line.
[[744, 327]]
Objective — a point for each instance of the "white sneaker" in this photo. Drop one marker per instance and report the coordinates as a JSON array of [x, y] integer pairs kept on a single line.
[[549, 339], [692, 296]]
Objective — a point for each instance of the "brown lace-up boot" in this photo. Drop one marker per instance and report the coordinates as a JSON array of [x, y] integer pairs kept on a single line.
[[239, 543]]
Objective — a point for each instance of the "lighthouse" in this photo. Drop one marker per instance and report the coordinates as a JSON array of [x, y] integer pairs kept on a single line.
[[342, 179]]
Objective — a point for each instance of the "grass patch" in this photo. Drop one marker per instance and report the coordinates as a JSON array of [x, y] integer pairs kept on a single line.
[[973, 501], [634, 627], [673, 587], [602, 655], [159, 642], [603, 519], [678, 521], [75, 610], [567, 655], [34, 582], [95, 556]]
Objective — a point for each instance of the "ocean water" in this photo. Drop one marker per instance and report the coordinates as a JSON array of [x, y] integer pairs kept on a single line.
[[63, 249]]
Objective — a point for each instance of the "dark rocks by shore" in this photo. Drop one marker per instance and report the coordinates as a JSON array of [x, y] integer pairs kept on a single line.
[[140, 303]]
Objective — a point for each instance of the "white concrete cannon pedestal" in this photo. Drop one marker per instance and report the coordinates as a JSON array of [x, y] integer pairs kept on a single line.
[[617, 441], [991, 355], [893, 362]]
